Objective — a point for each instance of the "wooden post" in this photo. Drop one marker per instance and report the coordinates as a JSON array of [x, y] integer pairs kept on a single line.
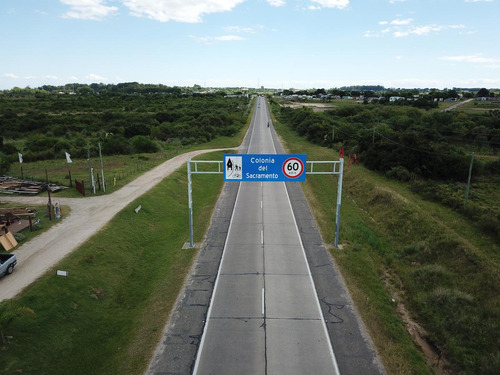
[[49, 204]]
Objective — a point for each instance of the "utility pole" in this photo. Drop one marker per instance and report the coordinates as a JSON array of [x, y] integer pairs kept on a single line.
[[468, 181], [49, 204]]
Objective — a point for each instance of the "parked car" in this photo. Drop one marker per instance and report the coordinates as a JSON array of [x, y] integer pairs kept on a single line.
[[7, 264]]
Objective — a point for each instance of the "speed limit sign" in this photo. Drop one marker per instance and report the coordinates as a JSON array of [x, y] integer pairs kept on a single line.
[[293, 167]]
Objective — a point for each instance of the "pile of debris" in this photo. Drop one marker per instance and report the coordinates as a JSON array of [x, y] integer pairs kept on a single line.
[[12, 185]]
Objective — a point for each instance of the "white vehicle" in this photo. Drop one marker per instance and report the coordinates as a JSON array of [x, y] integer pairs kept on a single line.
[[7, 264]]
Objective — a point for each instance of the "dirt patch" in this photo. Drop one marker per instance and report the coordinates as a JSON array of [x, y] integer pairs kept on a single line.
[[432, 353], [316, 107]]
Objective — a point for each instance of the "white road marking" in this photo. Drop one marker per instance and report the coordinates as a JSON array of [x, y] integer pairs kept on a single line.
[[263, 300]]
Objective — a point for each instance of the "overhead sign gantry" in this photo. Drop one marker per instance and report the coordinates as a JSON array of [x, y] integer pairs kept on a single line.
[[265, 167]]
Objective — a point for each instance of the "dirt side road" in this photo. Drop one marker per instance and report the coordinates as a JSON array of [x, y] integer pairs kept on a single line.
[[88, 216]]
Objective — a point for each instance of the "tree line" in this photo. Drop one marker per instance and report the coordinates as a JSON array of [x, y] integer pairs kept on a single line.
[[430, 150], [47, 126]]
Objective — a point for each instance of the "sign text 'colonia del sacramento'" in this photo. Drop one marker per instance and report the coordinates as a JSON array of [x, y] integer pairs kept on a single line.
[[264, 167]]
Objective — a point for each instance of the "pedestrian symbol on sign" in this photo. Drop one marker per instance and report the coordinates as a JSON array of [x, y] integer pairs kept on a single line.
[[234, 167]]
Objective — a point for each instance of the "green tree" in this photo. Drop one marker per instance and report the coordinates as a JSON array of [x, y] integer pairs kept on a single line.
[[4, 164], [144, 144], [483, 93]]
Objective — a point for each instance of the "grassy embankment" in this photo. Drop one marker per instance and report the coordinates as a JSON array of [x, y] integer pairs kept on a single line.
[[107, 316], [428, 259]]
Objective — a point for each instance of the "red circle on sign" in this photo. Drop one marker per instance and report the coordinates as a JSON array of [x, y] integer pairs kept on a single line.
[[293, 167]]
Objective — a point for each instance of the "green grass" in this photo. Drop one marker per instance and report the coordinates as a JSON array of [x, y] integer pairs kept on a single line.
[[479, 107], [108, 315], [391, 240]]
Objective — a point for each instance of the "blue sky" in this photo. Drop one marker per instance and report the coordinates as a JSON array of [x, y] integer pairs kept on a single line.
[[251, 43]]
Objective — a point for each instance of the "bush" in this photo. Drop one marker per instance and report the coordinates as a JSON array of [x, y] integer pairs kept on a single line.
[[19, 237], [116, 145], [143, 144], [429, 276], [4, 164], [400, 173]]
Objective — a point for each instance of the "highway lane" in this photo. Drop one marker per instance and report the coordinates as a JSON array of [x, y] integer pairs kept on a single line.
[[264, 316]]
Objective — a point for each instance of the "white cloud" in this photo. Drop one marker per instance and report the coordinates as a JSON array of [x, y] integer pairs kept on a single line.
[[239, 29], [88, 9], [419, 30], [95, 77], [371, 34], [276, 3], [178, 10], [478, 1], [478, 59], [229, 38], [10, 75], [406, 21], [340, 4], [403, 27], [221, 38], [397, 1]]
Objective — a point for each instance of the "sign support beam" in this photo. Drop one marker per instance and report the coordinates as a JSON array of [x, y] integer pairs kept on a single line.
[[337, 169]]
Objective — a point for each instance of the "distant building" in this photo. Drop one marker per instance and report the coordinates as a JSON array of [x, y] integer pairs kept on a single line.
[[396, 98]]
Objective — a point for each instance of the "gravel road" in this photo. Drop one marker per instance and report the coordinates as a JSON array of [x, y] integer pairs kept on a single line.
[[88, 216]]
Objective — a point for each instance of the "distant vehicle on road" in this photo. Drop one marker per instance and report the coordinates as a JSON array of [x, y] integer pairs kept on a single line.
[[7, 264]]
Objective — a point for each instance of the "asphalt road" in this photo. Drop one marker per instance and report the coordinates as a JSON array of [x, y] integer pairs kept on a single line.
[[264, 316], [264, 296]]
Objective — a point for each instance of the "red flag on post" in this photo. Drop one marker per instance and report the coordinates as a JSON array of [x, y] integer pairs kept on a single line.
[[349, 164]]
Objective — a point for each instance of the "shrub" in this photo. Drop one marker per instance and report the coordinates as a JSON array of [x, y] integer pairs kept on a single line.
[[400, 173], [4, 164], [144, 144], [430, 275]]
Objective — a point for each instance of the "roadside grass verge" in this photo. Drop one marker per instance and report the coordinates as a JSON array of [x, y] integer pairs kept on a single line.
[[107, 316], [423, 256]]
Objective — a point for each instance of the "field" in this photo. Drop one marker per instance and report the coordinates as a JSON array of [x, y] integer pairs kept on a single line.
[[108, 316], [411, 265]]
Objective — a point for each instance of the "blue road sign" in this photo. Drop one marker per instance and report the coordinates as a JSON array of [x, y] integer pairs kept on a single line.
[[264, 167]]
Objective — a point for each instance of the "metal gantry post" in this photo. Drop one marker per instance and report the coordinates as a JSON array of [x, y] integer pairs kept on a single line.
[[190, 172], [190, 203], [339, 202]]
